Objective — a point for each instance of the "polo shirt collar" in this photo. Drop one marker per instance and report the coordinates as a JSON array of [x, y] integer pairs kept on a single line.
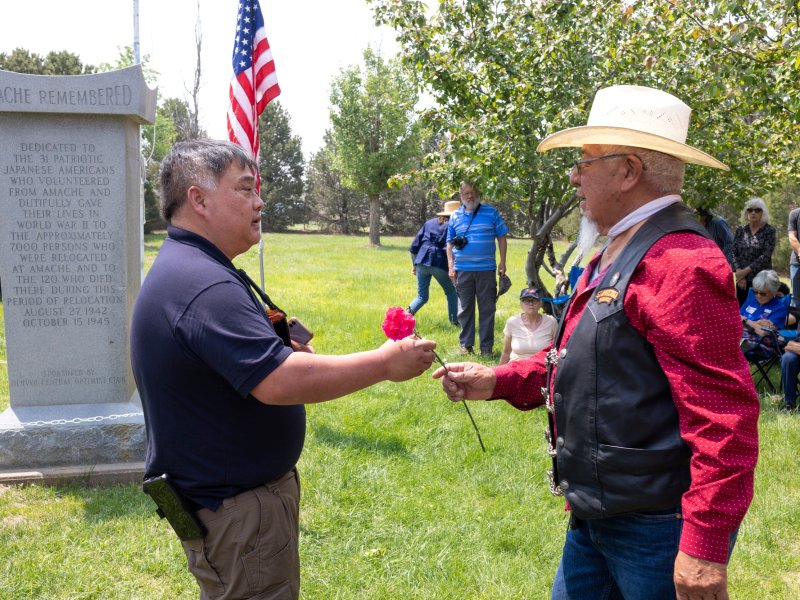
[[184, 236]]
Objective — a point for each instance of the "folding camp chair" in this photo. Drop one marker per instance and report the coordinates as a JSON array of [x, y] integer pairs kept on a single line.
[[761, 367], [557, 304]]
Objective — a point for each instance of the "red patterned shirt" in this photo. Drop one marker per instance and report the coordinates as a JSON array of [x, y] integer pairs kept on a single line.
[[682, 300]]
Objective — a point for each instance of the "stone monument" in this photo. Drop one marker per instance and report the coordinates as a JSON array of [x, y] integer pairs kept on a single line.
[[71, 265]]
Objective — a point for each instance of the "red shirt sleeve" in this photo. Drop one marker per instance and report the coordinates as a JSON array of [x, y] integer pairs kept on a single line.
[[681, 298], [520, 382]]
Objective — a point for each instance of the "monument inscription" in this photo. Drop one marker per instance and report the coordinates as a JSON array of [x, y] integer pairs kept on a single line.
[[71, 265], [65, 279]]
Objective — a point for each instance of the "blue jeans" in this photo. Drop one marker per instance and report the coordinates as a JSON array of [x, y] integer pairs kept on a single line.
[[424, 274], [630, 557], [790, 369]]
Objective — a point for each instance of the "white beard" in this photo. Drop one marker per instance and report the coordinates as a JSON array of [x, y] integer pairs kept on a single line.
[[587, 237], [470, 206]]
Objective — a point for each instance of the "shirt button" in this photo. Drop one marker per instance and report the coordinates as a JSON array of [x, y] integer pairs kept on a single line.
[[557, 397], [564, 484], [563, 353], [560, 442]]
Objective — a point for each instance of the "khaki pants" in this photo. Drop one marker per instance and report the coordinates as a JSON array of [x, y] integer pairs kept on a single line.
[[251, 548]]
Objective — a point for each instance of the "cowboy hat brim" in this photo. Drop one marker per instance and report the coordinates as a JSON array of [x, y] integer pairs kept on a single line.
[[575, 137]]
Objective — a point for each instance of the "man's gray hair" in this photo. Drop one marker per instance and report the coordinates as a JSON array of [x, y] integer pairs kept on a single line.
[[468, 183], [196, 162], [767, 280], [662, 172], [756, 203]]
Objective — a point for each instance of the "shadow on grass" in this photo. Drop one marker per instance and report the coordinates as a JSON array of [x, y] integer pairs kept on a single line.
[[109, 503], [384, 446]]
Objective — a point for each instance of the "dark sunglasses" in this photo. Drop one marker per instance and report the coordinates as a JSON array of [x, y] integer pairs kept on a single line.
[[764, 293], [755, 210]]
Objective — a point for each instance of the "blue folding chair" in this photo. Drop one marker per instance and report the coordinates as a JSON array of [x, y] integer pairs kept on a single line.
[[761, 367]]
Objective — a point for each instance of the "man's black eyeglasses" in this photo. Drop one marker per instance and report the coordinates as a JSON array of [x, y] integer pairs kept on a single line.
[[578, 165]]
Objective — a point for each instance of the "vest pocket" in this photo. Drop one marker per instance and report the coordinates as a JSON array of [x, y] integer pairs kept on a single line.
[[633, 479], [638, 461]]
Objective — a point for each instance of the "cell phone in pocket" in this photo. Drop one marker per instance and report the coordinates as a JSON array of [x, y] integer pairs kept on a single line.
[[299, 332], [174, 507]]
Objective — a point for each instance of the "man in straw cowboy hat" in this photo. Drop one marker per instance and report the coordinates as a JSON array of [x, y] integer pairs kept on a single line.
[[429, 259], [651, 405]]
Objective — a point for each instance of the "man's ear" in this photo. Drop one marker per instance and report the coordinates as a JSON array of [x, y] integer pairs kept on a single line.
[[634, 170], [196, 199]]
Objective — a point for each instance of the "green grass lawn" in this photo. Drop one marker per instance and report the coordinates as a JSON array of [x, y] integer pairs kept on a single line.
[[398, 499]]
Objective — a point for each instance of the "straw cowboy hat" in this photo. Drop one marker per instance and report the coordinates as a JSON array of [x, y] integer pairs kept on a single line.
[[450, 207], [632, 115]]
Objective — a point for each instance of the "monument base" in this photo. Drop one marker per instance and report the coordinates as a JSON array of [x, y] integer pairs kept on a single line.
[[73, 435], [95, 475]]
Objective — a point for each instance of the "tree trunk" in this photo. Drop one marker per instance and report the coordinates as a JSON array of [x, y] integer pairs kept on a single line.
[[375, 220], [541, 246]]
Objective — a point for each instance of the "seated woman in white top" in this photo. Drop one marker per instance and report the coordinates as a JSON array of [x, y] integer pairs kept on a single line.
[[527, 333]]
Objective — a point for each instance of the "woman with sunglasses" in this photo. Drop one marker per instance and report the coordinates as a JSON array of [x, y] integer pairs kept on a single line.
[[528, 332], [753, 244], [763, 313]]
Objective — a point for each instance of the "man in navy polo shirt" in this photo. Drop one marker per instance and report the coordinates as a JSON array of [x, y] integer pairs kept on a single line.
[[222, 393], [472, 265]]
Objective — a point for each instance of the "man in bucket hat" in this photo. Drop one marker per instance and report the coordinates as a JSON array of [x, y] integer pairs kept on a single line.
[[651, 405], [429, 259]]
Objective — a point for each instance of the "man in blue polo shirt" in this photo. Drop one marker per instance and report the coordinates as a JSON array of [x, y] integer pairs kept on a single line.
[[471, 238], [222, 391]]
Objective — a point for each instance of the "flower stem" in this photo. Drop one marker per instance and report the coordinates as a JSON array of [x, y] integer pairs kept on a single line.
[[469, 414]]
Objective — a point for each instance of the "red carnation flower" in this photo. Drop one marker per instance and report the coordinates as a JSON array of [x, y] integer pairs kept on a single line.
[[398, 323]]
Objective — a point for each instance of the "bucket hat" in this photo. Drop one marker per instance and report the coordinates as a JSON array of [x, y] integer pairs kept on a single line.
[[450, 207], [632, 115]]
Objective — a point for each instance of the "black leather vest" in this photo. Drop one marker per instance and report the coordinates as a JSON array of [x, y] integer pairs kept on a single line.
[[618, 447]]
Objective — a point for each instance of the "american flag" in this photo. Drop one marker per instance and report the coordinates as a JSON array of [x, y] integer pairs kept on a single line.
[[254, 82]]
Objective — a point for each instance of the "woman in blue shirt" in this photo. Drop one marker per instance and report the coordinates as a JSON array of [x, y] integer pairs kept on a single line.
[[763, 312], [429, 259]]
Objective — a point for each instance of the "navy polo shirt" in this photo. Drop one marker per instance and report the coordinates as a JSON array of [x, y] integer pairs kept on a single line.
[[200, 343]]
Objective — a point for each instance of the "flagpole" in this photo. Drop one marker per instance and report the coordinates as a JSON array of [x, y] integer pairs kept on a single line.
[[136, 53], [253, 80], [261, 259]]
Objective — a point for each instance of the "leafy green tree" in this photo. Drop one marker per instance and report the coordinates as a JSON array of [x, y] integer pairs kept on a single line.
[[55, 63], [375, 129], [336, 207], [282, 169], [780, 203], [126, 59], [505, 73]]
